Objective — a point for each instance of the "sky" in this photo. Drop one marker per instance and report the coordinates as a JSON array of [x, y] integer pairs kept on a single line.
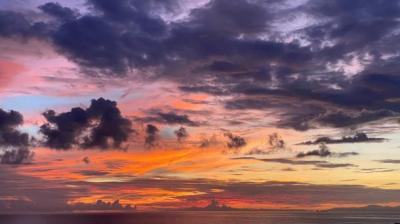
[[169, 104]]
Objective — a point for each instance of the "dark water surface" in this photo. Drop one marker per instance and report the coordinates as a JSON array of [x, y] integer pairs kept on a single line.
[[259, 217]]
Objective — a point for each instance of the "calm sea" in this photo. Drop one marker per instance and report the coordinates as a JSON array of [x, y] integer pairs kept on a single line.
[[207, 218]]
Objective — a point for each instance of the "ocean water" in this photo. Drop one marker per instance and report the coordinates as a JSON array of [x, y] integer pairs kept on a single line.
[[202, 217]]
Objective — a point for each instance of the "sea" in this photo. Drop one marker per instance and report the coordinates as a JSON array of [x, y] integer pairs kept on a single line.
[[206, 217]]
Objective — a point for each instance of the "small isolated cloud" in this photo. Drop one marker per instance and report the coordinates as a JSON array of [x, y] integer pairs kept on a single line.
[[151, 135], [86, 160], [275, 141], [235, 141], [206, 142], [181, 134]]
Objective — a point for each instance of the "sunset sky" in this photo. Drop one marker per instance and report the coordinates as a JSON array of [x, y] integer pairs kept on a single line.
[[168, 104]]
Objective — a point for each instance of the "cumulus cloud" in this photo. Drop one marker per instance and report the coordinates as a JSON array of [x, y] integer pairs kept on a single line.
[[181, 134], [14, 144], [235, 141], [101, 125], [275, 141], [151, 135]]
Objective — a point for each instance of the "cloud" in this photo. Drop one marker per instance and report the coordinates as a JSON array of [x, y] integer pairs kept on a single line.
[[170, 117], [377, 170], [58, 11], [359, 137], [390, 161], [101, 206], [207, 142], [269, 192], [181, 134], [86, 160], [14, 144], [93, 127], [38, 195], [151, 135], [324, 151], [330, 70], [235, 141], [15, 24], [316, 163], [92, 172], [275, 141], [173, 118], [16, 156]]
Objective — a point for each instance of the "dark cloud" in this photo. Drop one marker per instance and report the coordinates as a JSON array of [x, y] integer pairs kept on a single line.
[[16, 156], [37, 195], [309, 195], [343, 119], [170, 117], [275, 141], [340, 69], [324, 151], [58, 11], [86, 160], [9, 134], [14, 144], [377, 170], [181, 134], [151, 135], [92, 172], [173, 118], [95, 127], [34, 194], [119, 37], [101, 206], [15, 24], [235, 141], [390, 161], [358, 137], [315, 163]]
